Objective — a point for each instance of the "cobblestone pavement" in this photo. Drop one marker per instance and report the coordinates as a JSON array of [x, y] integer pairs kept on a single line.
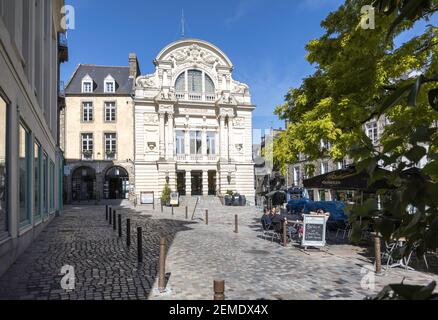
[[253, 268], [105, 268]]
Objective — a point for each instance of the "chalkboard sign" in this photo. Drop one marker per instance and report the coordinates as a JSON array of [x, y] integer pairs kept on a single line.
[[314, 231], [147, 198], [174, 199]]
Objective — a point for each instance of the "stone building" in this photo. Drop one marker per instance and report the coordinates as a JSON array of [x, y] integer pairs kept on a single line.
[[193, 124], [189, 124], [31, 50], [98, 132]]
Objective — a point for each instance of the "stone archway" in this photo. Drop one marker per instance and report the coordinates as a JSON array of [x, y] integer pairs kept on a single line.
[[84, 184], [116, 183]]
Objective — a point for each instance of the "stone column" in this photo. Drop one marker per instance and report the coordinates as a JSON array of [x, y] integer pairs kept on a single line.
[[205, 182], [204, 143], [222, 150], [187, 143], [171, 130], [162, 136], [188, 183], [227, 139]]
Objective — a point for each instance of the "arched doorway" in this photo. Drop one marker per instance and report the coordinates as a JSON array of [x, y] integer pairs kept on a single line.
[[116, 183], [83, 184]]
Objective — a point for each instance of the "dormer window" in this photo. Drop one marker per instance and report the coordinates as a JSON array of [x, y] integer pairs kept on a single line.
[[109, 84], [87, 84]]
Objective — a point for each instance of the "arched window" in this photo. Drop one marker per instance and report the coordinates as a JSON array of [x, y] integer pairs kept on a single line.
[[209, 85], [180, 85], [197, 82]]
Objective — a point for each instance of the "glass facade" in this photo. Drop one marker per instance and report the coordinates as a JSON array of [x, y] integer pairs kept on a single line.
[[24, 168], [3, 169], [37, 181], [52, 186], [46, 184]]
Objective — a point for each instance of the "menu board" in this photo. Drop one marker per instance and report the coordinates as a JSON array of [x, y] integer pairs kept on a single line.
[[174, 199], [147, 198], [314, 231]]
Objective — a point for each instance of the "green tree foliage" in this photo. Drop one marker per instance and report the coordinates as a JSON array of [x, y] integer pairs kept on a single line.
[[165, 195], [363, 75]]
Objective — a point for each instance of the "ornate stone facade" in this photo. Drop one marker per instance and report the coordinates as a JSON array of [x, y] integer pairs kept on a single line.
[[193, 124]]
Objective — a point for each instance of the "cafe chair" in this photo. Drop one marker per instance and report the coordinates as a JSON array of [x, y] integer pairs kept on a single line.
[[345, 231], [268, 231]]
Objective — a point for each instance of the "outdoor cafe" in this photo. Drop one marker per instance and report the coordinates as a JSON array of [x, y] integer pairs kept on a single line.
[[307, 222]]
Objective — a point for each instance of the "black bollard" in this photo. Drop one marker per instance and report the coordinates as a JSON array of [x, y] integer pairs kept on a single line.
[[128, 232], [187, 212], [114, 220], [139, 245], [206, 216], [106, 212], [110, 216], [120, 225], [172, 211]]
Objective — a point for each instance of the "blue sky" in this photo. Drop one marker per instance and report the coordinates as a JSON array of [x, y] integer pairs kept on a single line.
[[264, 39]]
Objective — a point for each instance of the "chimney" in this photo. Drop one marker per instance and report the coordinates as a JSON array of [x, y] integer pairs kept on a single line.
[[134, 68]]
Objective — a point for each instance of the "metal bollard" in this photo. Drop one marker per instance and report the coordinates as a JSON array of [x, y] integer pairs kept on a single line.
[[219, 290], [128, 232], [378, 255], [161, 206], [120, 225], [114, 220], [206, 217], [106, 212], [187, 212], [162, 266], [139, 245], [109, 215], [236, 223], [172, 211], [285, 233]]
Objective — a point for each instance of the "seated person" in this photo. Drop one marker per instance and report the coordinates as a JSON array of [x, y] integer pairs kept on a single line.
[[322, 213], [266, 218]]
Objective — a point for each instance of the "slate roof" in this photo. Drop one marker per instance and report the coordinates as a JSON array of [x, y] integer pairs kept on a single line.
[[124, 84]]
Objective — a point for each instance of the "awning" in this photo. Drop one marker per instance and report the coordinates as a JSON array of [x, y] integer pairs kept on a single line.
[[344, 179]]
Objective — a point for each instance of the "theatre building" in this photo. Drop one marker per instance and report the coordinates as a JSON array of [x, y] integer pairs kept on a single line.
[[32, 46], [97, 133], [193, 124]]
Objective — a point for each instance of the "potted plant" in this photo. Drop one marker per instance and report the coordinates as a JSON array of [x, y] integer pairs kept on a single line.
[[228, 198], [87, 154], [110, 154], [165, 195]]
